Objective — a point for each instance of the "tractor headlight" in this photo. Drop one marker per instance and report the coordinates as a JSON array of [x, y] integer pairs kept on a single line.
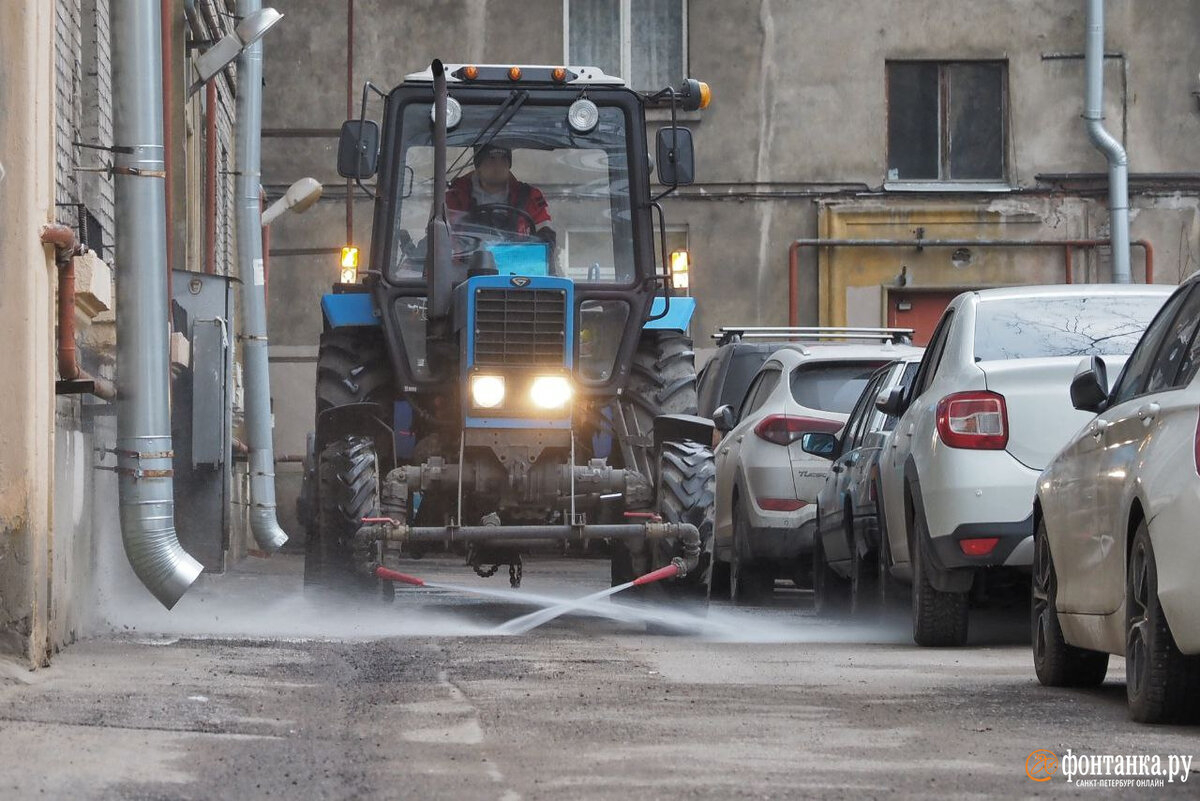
[[550, 392], [487, 391]]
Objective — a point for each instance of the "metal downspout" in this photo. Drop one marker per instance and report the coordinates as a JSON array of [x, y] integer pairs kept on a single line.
[[144, 449], [263, 523], [1118, 162]]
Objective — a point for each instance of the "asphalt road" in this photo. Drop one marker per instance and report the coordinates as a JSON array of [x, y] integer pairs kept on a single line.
[[251, 690]]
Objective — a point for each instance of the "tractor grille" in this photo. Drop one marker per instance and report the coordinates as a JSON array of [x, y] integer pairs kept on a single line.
[[520, 327]]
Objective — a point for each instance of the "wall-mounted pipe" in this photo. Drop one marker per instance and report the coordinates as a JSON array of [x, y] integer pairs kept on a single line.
[[210, 177], [144, 449], [1118, 162], [66, 248], [1066, 244], [263, 522]]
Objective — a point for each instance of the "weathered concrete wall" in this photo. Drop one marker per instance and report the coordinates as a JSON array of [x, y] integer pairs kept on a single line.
[[26, 326], [799, 116]]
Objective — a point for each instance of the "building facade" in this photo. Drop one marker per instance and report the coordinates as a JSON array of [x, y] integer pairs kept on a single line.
[[831, 119], [62, 569]]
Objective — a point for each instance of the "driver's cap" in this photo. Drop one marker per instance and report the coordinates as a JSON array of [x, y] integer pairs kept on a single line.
[[484, 151]]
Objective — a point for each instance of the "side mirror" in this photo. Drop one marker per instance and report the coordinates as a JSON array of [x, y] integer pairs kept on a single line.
[[891, 402], [724, 419], [676, 157], [358, 149], [819, 444], [1089, 387]]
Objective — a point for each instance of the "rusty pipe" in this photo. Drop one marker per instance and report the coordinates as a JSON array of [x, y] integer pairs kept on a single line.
[[1066, 244], [66, 248]]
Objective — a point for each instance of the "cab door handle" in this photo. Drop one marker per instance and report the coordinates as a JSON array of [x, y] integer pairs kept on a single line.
[[1148, 412], [1097, 428]]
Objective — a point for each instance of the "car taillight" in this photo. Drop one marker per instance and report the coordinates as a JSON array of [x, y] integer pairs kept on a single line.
[[783, 429], [977, 420], [780, 504], [978, 546]]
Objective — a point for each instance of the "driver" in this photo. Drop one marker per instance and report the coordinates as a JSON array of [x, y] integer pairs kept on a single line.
[[491, 195]]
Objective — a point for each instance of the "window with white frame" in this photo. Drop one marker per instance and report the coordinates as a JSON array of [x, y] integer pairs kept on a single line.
[[643, 41]]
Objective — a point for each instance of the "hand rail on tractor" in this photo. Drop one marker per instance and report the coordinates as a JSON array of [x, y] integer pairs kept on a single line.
[[728, 334]]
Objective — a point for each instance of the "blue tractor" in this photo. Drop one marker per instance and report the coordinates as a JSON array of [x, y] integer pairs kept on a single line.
[[509, 371]]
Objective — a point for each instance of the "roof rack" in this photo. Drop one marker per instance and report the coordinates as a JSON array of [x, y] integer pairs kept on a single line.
[[728, 334]]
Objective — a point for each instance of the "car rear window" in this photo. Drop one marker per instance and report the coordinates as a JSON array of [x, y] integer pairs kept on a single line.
[[831, 386], [1032, 327], [742, 368]]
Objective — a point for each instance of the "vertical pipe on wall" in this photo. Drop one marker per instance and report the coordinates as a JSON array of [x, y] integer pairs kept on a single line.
[[1118, 162], [349, 113], [210, 177], [144, 448], [263, 522]]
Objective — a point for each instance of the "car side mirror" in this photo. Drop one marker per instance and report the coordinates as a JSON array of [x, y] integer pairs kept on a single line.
[[724, 419], [358, 149], [819, 444], [891, 402], [676, 157], [1089, 387]]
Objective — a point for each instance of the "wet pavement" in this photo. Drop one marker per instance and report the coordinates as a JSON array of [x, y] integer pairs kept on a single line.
[[251, 689]]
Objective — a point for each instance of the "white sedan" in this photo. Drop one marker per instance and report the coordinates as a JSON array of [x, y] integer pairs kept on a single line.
[[1117, 555], [986, 412]]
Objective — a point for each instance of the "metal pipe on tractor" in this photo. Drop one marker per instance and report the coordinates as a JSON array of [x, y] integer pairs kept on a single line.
[[144, 448], [263, 521], [481, 391]]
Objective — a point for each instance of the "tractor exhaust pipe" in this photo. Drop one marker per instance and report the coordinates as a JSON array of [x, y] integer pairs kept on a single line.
[[263, 523], [144, 448]]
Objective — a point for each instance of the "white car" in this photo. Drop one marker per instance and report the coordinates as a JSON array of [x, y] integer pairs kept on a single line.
[[1117, 551], [986, 412], [767, 484]]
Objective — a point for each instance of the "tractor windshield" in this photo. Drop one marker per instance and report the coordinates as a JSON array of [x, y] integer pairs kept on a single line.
[[538, 199]]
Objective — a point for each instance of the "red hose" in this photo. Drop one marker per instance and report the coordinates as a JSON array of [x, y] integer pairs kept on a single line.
[[657, 575], [403, 578]]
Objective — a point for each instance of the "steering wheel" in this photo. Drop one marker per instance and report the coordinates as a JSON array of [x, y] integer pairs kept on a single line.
[[496, 215]]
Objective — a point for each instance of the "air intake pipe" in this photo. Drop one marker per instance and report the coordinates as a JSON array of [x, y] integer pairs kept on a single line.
[[263, 523], [144, 449], [1106, 143]]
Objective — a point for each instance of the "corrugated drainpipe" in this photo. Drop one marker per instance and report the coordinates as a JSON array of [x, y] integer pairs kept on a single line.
[[1106, 143], [263, 523], [144, 449], [66, 248]]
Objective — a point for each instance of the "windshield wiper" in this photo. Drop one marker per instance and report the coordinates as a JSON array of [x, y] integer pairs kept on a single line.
[[504, 114]]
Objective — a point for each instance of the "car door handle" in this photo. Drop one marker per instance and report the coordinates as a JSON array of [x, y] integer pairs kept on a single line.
[[837, 468], [741, 437], [1148, 412], [1097, 428]]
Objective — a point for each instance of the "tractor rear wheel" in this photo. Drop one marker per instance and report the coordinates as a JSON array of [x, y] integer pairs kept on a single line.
[[353, 367], [663, 381], [347, 491]]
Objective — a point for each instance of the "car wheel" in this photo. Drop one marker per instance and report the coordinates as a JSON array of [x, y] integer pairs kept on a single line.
[[1161, 683], [939, 618], [831, 592], [1057, 663], [746, 582]]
